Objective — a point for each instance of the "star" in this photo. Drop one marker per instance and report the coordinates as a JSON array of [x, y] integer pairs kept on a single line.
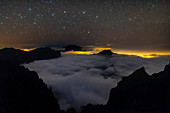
[[51, 1], [53, 14], [97, 17], [85, 18], [153, 6], [130, 19], [84, 12], [64, 27], [29, 9]]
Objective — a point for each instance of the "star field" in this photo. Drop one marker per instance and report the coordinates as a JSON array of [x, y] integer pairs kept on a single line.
[[120, 23]]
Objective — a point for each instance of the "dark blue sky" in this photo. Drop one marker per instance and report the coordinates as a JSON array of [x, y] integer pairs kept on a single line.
[[124, 24]]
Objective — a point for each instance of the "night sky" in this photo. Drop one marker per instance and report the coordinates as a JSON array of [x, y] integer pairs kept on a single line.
[[121, 24]]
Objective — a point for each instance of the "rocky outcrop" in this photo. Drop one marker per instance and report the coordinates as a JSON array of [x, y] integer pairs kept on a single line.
[[130, 90], [22, 91], [141, 92], [71, 110], [138, 92]]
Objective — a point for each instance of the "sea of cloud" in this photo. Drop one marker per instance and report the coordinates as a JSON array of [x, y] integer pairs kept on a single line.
[[77, 80]]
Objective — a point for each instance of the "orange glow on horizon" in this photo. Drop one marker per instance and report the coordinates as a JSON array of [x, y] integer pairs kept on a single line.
[[143, 54], [27, 50], [94, 51], [80, 52]]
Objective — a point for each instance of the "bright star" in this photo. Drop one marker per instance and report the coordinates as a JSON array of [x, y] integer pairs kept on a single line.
[[84, 12], [29, 9]]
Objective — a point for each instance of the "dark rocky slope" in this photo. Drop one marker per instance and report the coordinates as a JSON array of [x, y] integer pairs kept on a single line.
[[21, 90], [138, 93]]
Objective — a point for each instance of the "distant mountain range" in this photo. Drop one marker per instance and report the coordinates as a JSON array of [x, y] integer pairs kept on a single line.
[[17, 56]]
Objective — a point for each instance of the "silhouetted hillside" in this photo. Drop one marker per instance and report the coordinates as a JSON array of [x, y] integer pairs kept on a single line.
[[44, 53], [73, 48], [71, 110], [17, 56], [22, 91], [129, 90], [106, 53], [136, 93], [13, 56]]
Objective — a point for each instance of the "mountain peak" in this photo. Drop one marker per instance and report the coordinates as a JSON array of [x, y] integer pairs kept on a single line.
[[73, 48], [167, 67], [106, 53], [141, 72], [139, 75], [142, 69]]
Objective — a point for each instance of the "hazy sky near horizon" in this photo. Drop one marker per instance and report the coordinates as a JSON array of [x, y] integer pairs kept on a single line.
[[121, 24]]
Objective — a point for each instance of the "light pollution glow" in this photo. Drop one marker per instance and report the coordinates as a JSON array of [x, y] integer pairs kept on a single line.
[[27, 50], [143, 54]]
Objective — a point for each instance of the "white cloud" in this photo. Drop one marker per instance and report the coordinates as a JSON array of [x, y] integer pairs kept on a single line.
[[78, 79]]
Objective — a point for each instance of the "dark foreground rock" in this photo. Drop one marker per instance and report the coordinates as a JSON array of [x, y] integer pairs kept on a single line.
[[22, 91], [138, 93], [71, 110]]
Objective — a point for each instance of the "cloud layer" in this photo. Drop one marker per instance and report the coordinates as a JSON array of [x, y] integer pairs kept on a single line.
[[78, 80]]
